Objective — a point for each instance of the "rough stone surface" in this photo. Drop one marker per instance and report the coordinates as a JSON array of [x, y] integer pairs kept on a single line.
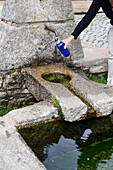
[[14, 80], [32, 114], [3, 99], [23, 11], [0, 10], [14, 152], [17, 97], [31, 44], [95, 60], [104, 87], [2, 94], [72, 107], [108, 90], [13, 89], [93, 94], [39, 91]]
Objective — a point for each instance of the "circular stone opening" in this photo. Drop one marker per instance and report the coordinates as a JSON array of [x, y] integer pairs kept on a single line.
[[57, 78]]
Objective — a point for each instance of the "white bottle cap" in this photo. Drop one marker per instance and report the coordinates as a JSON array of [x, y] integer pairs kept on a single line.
[[57, 40]]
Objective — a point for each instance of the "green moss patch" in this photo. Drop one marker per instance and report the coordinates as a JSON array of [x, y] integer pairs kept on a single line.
[[98, 78], [57, 78], [5, 110]]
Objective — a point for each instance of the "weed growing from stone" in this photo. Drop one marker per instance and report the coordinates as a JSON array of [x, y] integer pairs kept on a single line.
[[55, 103], [98, 79]]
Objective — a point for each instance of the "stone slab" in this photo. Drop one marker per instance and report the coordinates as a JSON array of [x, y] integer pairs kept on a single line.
[[41, 111], [72, 107], [14, 152], [107, 89], [95, 60], [94, 94]]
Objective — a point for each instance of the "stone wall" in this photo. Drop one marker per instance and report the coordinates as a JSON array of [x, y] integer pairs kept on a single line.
[[13, 90]]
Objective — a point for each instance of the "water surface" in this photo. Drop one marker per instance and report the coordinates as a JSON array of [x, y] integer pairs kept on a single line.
[[84, 145]]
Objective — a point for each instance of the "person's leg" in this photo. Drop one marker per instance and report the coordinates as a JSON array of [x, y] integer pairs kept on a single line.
[[110, 56]]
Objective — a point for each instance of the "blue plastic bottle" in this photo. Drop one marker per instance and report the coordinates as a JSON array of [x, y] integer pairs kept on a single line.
[[60, 46]]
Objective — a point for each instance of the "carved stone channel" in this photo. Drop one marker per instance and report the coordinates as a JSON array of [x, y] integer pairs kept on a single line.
[[73, 108]]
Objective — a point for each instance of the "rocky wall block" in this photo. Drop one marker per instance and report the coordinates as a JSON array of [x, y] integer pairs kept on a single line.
[[27, 45], [3, 99], [17, 97], [14, 80], [23, 11]]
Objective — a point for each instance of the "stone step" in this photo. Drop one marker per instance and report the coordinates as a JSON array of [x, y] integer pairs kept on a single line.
[[72, 107], [95, 60]]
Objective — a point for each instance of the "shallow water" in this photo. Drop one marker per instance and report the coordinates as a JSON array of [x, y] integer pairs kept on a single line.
[[81, 145], [58, 78]]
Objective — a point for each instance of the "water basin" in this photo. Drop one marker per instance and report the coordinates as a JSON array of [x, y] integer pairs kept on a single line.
[[81, 145]]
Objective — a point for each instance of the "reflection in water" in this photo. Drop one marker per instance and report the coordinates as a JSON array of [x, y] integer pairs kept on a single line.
[[86, 134], [81, 145]]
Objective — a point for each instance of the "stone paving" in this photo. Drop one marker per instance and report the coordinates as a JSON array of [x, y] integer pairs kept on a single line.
[[95, 35]]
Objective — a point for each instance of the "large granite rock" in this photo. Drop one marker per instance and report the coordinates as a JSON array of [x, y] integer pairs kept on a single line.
[[23, 38], [23, 11], [26, 45]]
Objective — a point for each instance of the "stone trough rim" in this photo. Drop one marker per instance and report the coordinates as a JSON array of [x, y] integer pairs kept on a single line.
[[50, 69]]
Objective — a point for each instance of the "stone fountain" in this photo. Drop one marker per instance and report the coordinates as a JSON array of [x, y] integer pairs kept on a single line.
[[27, 51], [24, 40]]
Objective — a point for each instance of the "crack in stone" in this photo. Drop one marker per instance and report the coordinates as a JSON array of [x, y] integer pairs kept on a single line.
[[34, 23], [7, 134], [2, 123]]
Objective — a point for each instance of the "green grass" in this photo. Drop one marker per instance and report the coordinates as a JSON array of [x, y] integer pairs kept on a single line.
[[98, 79], [5, 110], [57, 78], [55, 103]]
